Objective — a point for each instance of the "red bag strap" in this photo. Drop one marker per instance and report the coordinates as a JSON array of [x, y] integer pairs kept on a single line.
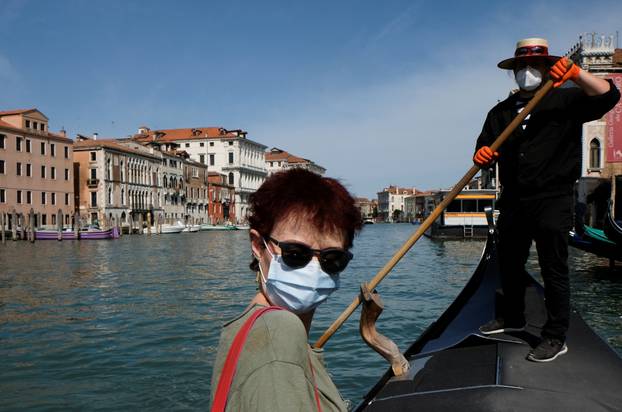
[[228, 370]]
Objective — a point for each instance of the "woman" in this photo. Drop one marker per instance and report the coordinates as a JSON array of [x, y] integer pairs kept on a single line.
[[301, 229]]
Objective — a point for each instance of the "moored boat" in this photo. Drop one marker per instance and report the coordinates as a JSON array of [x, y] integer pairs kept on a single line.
[[612, 226], [595, 241], [191, 228], [89, 233], [168, 228], [208, 226], [453, 367]]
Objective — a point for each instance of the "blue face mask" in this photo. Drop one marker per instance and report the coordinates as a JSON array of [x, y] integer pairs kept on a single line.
[[298, 290]]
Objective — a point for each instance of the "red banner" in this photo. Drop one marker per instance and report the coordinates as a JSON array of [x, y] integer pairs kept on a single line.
[[614, 125]]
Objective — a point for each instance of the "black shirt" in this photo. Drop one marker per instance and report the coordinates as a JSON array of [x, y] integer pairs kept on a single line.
[[542, 158]]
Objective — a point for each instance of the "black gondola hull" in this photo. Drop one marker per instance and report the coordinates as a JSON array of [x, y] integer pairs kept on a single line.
[[454, 368]]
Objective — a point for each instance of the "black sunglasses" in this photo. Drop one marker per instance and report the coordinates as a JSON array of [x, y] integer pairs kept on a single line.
[[526, 51], [296, 255]]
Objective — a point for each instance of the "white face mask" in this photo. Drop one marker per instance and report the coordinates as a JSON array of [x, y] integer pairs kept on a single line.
[[528, 78], [298, 290]]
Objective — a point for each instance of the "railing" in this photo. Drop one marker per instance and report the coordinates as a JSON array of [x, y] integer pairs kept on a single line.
[[92, 182]]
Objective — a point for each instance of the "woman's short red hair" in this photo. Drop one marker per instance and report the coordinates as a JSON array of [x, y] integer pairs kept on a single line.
[[326, 202]]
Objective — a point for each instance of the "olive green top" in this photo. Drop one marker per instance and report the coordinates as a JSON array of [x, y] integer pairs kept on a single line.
[[273, 371]]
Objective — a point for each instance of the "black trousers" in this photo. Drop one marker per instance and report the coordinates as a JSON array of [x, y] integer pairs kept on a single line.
[[547, 222]]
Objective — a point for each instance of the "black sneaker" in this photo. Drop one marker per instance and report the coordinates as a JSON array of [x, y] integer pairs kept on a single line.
[[547, 350], [499, 326]]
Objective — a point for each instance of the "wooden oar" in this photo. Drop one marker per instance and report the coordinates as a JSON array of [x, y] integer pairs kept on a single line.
[[544, 90]]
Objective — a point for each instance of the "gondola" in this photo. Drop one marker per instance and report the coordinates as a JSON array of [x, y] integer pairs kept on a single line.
[[613, 227], [595, 241], [454, 368]]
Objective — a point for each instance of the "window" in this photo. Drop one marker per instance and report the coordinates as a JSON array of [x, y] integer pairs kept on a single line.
[[53, 198], [52, 172], [231, 143], [43, 198], [2, 141], [35, 125], [93, 156], [66, 199], [109, 195], [123, 197], [42, 172], [52, 148], [66, 174], [44, 219], [18, 169], [28, 124], [53, 219], [19, 197], [28, 170], [18, 144], [211, 144], [2, 196], [231, 178], [93, 199], [2, 167], [42, 127], [595, 154], [202, 144], [93, 173], [187, 144], [28, 197], [202, 158], [28, 146], [211, 160], [42, 148], [230, 157], [66, 148]]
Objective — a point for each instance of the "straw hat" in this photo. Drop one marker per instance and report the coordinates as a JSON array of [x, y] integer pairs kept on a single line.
[[527, 49]]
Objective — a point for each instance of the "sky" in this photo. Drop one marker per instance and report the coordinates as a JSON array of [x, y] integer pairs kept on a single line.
[[378, 92]]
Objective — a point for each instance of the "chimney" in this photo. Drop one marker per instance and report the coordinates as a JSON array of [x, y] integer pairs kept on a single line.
[[63, 132], [95, 136]]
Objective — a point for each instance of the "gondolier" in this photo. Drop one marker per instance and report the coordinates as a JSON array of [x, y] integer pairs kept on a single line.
[[538, 166]]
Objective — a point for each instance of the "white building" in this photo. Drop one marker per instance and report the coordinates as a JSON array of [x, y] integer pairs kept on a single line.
[[278, 159], [391, 203], [223, 151]]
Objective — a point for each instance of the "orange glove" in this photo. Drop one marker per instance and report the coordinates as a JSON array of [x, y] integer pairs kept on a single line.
[[484, 157], [560, 72]]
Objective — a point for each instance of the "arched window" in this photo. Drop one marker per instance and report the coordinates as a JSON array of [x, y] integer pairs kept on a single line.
[[595, 154], [231, 178]]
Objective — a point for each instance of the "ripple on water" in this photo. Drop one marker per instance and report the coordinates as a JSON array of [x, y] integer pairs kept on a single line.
[[134, 323]]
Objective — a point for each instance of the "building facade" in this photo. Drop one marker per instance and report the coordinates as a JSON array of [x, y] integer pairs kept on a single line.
[[391, 203], [228, 152], [221, 199], [115, 181], [196, 192], [278, 159], [602, 138], [36, 168]]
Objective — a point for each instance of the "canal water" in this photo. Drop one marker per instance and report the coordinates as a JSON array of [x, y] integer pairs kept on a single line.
[[134, 323]]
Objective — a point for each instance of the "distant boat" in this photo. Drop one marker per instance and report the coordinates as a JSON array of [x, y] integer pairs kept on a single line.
[[243, 227], [208, 226], [167, 228], [368, 221], [92, 233], [464, 217], [191, 228]]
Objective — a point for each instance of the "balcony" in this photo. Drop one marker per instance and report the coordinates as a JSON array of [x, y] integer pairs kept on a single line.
[[92, 182]]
